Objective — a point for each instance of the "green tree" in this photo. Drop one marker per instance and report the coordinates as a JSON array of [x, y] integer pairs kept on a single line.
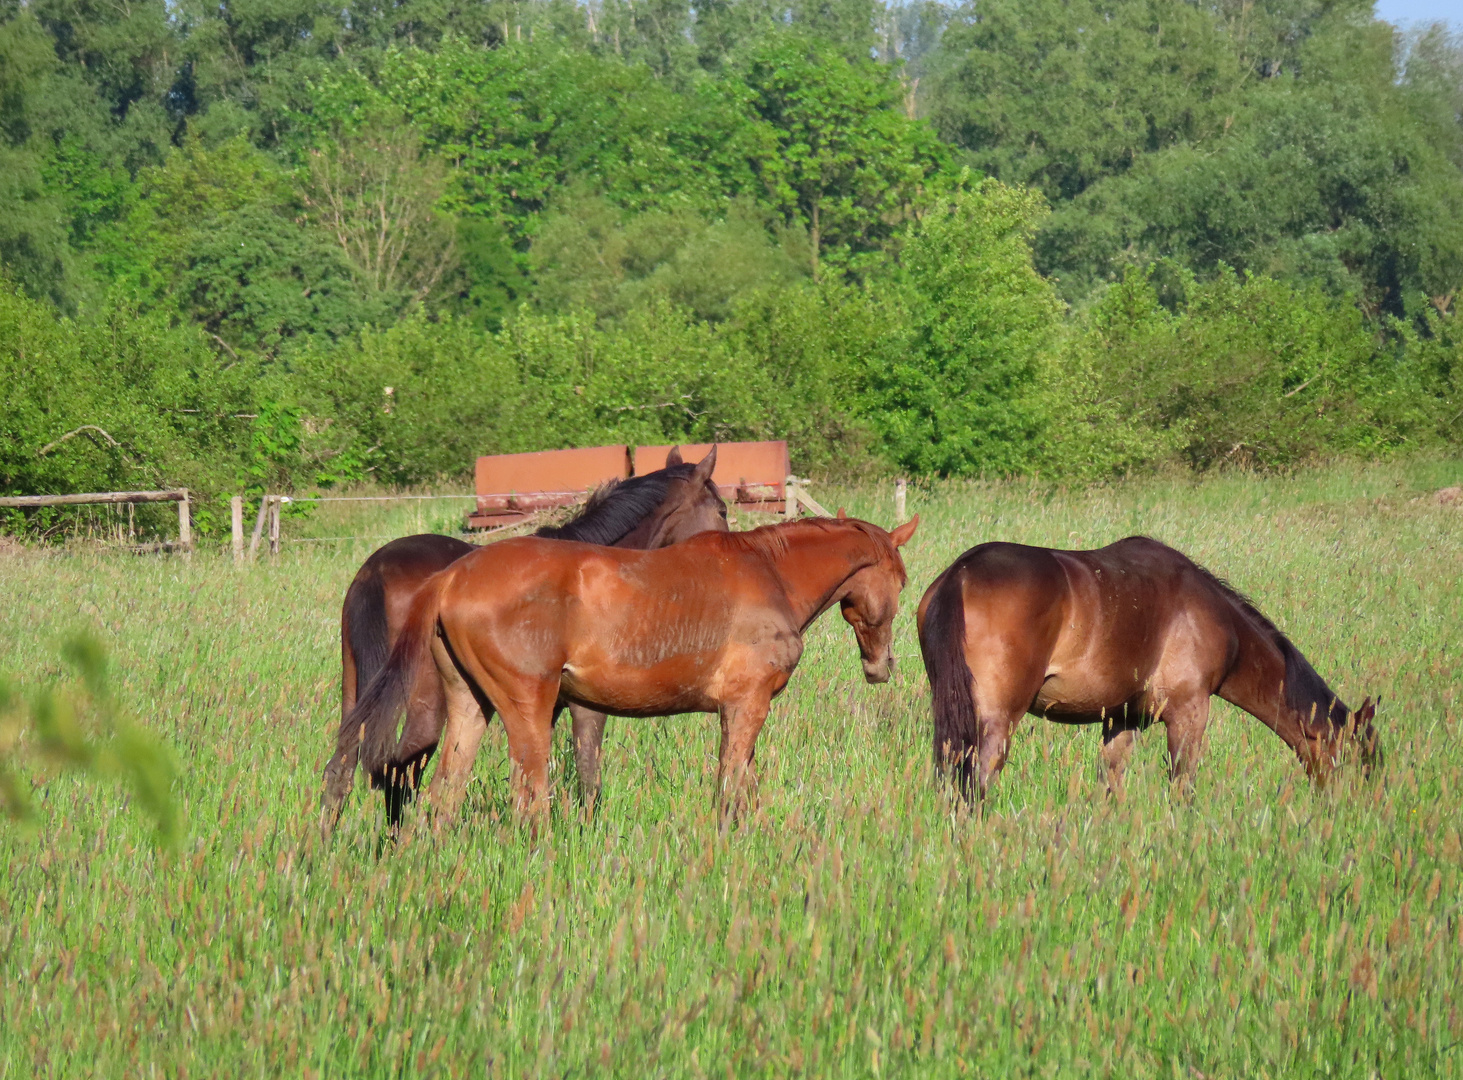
[[591, 255], [1058, 94], [960, 398], [849, 163], [120, 401], [218, 234], [33, 238]]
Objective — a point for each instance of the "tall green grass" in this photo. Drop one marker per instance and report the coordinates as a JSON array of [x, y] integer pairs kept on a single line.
[[855, 925]]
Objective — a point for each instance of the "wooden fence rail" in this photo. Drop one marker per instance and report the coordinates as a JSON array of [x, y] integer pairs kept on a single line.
[[179, 496]]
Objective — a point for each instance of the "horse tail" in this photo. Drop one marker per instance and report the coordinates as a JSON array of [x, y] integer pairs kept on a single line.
[[363, 628], [942, 644], [381, 702]]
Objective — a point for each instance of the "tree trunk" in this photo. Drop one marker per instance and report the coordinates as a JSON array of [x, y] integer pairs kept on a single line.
[[816, 238]]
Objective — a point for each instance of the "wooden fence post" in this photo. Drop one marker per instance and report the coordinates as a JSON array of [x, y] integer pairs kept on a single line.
[[899, 501], [274, 525], [790, 498], [258, 525], [236, 522], [185, 521]]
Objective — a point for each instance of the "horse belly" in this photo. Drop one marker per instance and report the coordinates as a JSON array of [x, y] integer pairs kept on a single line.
[[655, 665], [673, 686], [1086, 694]]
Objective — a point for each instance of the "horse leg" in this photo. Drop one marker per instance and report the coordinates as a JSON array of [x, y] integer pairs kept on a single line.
[[995, 729], [528, 713], [462, 733], [736, 777], [1117, 746], [589, 733], [340, 770], [1185, 718]]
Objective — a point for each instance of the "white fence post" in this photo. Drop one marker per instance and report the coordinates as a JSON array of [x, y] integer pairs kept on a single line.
[[274, 504], [899, 501], [185, 521], [236, 523]]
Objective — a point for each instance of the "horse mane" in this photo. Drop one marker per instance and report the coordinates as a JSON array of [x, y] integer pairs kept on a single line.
[[616, 507], [1305, 691], [771, 540]]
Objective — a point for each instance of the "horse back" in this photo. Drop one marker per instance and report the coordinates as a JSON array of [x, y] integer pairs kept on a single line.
[[544, 608], [1014, 594], [1142, 622], [1080, 631]]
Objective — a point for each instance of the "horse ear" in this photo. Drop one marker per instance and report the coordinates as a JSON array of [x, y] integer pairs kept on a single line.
[[901, 535], [674, 457], [1367, 711], [705, 466], [842, 514]]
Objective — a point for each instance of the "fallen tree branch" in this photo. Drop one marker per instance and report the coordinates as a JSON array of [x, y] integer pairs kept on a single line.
[[227, 348], [1302, 386], [43, 451]]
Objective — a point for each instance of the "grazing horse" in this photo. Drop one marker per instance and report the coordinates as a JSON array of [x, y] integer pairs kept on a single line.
[[711, 625], [1122, 636], [660, 508]]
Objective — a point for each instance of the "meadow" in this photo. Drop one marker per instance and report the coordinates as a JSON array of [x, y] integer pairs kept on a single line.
[[856, 924]]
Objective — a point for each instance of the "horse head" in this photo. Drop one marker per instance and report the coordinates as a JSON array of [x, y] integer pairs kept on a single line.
[[692, 503], [870, 600]]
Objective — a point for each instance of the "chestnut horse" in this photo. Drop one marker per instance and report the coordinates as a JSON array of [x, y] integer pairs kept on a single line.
[[711, 625], [1122, 636], [654, 510]]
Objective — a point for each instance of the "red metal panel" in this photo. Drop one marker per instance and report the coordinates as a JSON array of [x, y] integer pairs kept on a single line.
[[751, 474], [512, 485]]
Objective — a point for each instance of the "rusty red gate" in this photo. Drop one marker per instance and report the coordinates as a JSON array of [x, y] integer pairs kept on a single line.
[[510, 487]]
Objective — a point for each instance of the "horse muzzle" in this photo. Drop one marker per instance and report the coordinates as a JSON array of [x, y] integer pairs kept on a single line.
[[878, 671]]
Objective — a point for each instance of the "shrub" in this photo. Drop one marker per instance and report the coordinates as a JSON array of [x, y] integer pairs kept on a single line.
[[1244, 370], [961, 398], [125, 401]]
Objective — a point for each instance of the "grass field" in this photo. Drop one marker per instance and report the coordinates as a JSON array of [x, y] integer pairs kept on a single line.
[[853, 926]]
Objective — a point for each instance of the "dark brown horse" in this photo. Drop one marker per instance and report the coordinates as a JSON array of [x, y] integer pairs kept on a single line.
[[1122, 636], [660, 508], [712, 625]]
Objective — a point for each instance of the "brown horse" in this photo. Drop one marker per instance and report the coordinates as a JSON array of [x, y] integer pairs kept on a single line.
[[1122, 636], [660, 508], [712, 625]]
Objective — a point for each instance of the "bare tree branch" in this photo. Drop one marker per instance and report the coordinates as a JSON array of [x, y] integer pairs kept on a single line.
[[376, 193]]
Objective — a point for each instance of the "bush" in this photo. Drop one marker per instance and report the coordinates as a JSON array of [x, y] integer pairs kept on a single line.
[[961, 398], [1244, 370], [125, 401]]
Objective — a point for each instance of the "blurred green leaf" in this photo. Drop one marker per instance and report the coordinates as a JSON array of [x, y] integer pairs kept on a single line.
[[56, 722]]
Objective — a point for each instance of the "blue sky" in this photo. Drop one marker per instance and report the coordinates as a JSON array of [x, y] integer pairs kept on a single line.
[[1402, 12]]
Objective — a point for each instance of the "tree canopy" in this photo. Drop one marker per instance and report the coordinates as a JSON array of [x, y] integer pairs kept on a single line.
[[920, 215]]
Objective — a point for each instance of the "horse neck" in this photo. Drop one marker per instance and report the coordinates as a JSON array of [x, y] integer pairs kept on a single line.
[[1283, 692], [814, 563]]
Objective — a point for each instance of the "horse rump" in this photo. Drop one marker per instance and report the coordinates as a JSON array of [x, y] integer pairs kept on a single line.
[[942, 644]]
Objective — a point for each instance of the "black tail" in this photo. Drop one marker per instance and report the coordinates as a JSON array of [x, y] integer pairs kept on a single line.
[[374, 719], [364, 625], [942, 643]]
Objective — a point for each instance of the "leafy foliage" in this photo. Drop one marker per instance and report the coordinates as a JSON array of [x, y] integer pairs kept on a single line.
[[958, 400], [1074, 237], [81, 729]]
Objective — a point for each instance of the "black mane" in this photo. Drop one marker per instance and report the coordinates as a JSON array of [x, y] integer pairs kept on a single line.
[[617, 507], [1305, 691]]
